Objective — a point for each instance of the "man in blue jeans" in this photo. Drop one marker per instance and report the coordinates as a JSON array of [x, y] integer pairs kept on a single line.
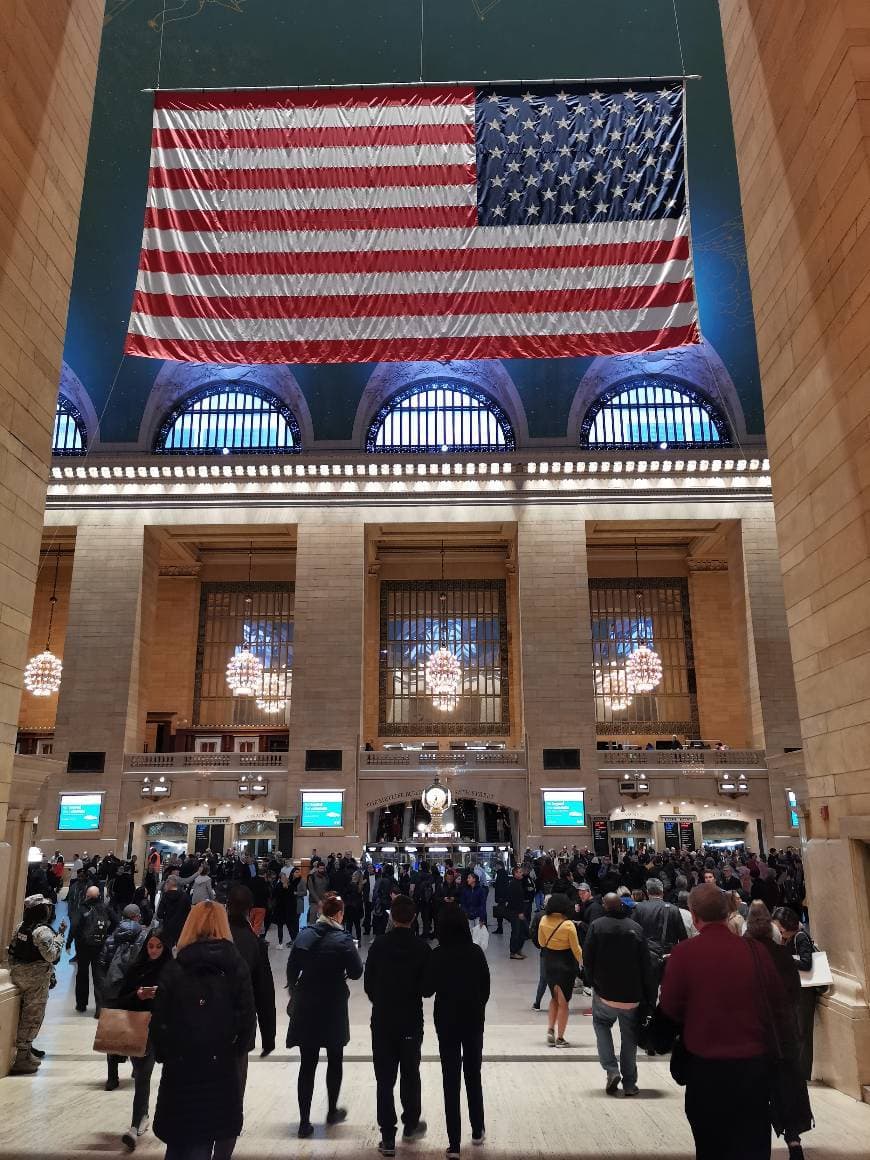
[[616, 964]]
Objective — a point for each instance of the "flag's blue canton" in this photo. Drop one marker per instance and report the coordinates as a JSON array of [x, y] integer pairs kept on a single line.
[[590, 156]]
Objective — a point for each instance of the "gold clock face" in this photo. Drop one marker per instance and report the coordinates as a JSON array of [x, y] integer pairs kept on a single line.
[[435, 798]]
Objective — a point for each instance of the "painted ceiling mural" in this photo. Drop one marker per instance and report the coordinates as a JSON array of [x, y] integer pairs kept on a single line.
[[193, 43]]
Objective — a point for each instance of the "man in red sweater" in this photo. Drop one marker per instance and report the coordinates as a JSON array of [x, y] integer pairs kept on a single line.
[[712, 988]]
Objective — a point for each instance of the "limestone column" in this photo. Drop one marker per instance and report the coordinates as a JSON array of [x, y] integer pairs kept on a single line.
[[799, 76], [102, 704], [325, 710], [556, 649]]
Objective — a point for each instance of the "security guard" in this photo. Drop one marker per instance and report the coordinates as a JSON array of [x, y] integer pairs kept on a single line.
[[33, 951]]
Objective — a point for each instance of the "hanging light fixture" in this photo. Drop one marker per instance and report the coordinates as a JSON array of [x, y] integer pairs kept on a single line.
[[612, 685], [643, 669], [443, 669], [244, 668], [43, 672], [274, 692]]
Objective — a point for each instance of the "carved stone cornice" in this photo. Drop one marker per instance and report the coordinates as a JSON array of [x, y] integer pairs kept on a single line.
[[702, 564], [180, 570]]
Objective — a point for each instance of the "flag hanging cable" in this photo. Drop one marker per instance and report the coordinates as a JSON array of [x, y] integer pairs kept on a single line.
[[409, 222]]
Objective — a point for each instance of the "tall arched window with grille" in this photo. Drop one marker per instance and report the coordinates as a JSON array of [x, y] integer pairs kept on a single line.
[[436, 417], [653, 411], [69, 436], [229, 418]]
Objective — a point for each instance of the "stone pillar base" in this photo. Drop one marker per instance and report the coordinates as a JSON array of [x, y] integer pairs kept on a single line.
[[9, 1004], [842, 1039]]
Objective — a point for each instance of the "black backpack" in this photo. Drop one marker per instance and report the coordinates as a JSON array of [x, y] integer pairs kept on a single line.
[[197, 1018], [95, 928]]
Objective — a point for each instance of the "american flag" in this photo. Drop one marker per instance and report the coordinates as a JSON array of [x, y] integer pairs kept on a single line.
[[432, 222]]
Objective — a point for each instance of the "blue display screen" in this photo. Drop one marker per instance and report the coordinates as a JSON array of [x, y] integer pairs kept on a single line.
[[322, 809], [80, 811], [564, 808]]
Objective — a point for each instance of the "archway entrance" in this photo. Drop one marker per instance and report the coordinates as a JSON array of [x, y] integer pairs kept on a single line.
[[474, 821]]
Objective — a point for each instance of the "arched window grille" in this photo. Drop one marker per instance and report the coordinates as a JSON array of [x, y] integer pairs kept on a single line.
[[436, 417], [653, 412], [229, 419], [69, 437]]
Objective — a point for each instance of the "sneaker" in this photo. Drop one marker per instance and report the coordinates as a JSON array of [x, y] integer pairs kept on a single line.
[[306, 1129], [143, 1125], [551, 1037], [387, 1149], [129, 1139], [411, 1134], [536, 1006], [452, 1154], [517, 955], [562, 1042], [630, 1091], [336, 1116], [612, 1084], [478, 1139]]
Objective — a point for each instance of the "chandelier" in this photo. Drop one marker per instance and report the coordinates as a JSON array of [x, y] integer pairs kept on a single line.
[[643, 669], [443, 670], [244, 668], [613, 687], [274, 691], [42, 673]]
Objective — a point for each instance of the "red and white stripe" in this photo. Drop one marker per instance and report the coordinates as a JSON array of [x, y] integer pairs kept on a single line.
[[280, 228]]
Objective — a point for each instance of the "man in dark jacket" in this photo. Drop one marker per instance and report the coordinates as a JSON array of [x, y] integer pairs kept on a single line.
[[94, 925], [661, 923], [516, 913], [172, 910], [589, 908], [394, 977], [617, 965], [253, 950]]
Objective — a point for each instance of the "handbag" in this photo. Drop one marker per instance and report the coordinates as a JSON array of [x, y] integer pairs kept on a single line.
[[121, 1032], [820, 975], [480, 936]]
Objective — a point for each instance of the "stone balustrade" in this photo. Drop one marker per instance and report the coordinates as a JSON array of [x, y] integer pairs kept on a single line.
[[681, 758], [385, 760], [179, 762]]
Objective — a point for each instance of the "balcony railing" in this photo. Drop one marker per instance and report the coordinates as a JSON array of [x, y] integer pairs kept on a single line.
[[177, 762], [682, 758], [382, 760]]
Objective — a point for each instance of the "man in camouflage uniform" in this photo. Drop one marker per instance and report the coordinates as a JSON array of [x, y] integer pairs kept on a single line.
[[33, 951]]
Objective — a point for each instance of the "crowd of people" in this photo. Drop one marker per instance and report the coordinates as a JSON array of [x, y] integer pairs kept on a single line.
[[698, 954]]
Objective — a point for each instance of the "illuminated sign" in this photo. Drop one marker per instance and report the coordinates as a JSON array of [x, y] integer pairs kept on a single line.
[[322, 809], [564, 808], [80, 811]]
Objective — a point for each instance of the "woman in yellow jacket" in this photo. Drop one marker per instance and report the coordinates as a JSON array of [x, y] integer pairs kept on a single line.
[[560, 950]]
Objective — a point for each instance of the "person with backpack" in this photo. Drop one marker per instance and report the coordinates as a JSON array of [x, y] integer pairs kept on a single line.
[[381, 900], [95, 923], [661, 923], [119, 951], [33, 951], [173, 909], [202, 1027], [321, 959]]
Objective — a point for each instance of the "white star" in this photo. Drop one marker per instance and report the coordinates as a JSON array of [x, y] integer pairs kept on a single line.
[[493, 98], [597, 122], [670, 204], [637, 206], [581, 109], [513, 138], [631, 95], [533, 211], [584, 137], [530, 151], [528, 123], [650, 161], [648, 106], [600, 178], [547, 166], [584, 194], [598, 150], [595, 96], [497, 152], [619, 191], [667, 120], [632, 121], [514, 195], [494, 123], [546, 110], [601, 207], [533, 179], [652, 191], [667, 146], [498, 182], [563, 123], [548, 194], [583, 163], [635, 176], [564, 150], [561, 95], [618, 163], [668, 174], [546, 137], [513, 167], [511, 111], [498, 211], [664, 94], [632, 148], [565, 179], [528, 96], [648, 134], [616, 135], [566, 208]]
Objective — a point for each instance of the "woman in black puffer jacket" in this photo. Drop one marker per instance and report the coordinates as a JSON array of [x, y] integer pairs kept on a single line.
[[202, 1028]]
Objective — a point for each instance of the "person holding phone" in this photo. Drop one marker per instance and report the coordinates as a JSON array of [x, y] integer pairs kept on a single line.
[[33, 951], [137, 992]]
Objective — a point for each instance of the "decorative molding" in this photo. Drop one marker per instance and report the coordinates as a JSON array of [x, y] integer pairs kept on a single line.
[[700, 564], [180, 570]]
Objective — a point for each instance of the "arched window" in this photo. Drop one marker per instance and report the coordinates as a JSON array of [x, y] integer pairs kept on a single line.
[[435, 417], [653, 412], [70, 437], [229, 418]]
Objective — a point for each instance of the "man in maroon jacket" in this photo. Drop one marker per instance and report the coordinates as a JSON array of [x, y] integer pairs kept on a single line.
[[712, 988]]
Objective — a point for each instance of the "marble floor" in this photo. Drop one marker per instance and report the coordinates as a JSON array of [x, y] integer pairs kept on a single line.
[[539, 1102]]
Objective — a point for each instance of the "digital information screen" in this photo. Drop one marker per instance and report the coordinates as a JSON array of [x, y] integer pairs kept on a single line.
[[80, 811], [322, 809], [564, 808]]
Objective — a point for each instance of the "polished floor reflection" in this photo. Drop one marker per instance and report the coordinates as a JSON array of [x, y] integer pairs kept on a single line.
[[540, 1103]]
